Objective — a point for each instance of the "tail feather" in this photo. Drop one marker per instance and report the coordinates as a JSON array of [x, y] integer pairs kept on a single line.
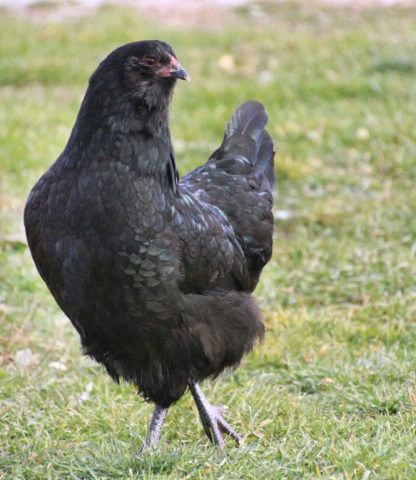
[[265, 160], [245, 135], [249, 119]]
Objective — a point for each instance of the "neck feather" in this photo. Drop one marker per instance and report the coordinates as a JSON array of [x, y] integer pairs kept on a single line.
[[126, 128]]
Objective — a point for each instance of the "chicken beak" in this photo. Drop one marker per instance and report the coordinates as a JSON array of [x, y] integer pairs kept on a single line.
[[181, 73], [174, 70]]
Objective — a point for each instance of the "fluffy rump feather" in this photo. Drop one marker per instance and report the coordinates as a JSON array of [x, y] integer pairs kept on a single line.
[[215, 331]]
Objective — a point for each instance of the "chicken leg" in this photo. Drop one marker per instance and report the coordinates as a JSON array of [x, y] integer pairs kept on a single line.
[[155, 428], [212, 419]]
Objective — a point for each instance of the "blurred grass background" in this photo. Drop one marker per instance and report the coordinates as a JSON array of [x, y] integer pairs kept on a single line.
[[331, 392]]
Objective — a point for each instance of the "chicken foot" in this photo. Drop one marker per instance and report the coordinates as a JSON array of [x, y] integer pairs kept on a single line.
[[212, 420]]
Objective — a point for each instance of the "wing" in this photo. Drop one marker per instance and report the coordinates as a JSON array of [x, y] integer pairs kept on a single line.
[[211, 256]]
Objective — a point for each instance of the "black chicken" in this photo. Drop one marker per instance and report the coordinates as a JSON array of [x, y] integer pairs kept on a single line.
[[154, 272]]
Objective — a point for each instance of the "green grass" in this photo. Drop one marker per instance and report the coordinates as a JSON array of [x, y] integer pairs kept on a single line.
[[331, 392]]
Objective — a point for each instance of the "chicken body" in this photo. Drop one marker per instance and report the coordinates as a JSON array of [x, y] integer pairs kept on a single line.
[[154, 273]]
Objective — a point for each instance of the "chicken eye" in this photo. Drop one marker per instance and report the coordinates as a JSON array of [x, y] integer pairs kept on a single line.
[[150, 61]]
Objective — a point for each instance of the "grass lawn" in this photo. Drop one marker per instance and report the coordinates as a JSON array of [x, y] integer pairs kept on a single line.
[[331, 392]]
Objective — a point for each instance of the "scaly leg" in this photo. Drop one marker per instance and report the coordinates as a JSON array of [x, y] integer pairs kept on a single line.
[[212, 419], [155, 427]]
